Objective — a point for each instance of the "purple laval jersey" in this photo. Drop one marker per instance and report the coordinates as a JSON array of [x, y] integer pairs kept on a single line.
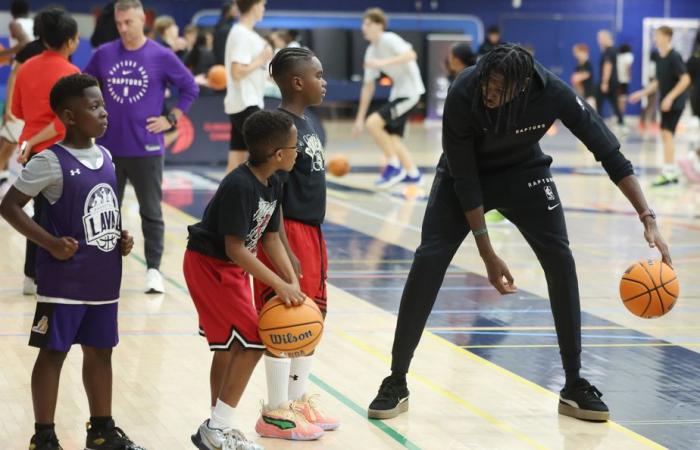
[[88, 211]]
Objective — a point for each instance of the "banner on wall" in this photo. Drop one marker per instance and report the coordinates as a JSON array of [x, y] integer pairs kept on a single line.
[[203, 134]]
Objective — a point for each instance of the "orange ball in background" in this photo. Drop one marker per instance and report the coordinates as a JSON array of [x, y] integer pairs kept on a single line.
[[290, 331], [338, 165], [4, 60], [649, 288], [216, 77]]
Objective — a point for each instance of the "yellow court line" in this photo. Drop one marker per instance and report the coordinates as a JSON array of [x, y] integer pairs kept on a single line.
[[496, 422], [489, 418], [549, 328], [335, 193], [637, 437], [644, 344], [533, 328]]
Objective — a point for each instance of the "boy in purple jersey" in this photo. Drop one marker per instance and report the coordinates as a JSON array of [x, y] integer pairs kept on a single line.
[[78, 264]]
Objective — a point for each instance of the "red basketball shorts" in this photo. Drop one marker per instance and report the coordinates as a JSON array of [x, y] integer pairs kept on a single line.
[[307, 243], [221, 294]]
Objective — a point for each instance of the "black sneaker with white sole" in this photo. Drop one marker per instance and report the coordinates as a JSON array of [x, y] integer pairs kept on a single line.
[[109, 438], [581, 400], [391, 400]]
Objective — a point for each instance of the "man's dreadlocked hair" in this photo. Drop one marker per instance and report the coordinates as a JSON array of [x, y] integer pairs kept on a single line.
[[288, 60], [516, 66]]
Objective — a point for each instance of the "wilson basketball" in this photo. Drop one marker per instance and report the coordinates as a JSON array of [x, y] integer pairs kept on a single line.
[[338, 165], [290, 331], [216, 77], [649, 288]]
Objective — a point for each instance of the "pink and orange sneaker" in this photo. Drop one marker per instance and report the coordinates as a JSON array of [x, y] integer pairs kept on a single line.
[[286, 423], [308, 407], [690, 166]]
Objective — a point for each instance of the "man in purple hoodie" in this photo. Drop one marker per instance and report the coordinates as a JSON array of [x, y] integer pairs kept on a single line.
[[134, 72]]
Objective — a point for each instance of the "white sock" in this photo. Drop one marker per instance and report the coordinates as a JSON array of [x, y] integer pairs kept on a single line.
[[394, 161], [222, 416], [413, 173], [298, 375], [277, 372]]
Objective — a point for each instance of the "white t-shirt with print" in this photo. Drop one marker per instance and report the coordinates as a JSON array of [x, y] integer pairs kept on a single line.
[[406, 79], [242, 46], [624, 67]]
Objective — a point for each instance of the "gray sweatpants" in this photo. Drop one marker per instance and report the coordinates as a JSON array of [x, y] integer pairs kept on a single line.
[[146, 176]]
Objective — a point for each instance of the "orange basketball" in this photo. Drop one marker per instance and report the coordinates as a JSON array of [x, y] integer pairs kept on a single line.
[[216, 77], [338, 165], [649, 288], [290, 331]]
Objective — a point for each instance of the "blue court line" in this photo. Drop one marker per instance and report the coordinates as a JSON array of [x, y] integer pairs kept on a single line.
[[672, 362], [575, 170], [516, 333], [388, 430]]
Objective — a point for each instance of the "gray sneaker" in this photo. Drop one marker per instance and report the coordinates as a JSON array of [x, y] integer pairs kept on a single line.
[[208, 438]]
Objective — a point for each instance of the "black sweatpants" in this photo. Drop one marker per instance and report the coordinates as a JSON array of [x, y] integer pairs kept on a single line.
[[529, 199], [146, 175], [610, 96]]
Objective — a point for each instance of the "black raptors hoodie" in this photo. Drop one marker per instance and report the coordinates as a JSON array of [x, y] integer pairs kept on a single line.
[[473, 150]]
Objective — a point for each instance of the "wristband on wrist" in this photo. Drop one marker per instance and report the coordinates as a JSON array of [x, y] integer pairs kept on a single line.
[[480, 232], [648, 213]]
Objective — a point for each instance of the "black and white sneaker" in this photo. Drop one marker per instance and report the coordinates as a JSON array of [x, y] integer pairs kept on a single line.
[[582, 401], [391, 400]]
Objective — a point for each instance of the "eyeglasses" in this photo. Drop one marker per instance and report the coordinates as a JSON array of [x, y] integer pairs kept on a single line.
[[295, 148]]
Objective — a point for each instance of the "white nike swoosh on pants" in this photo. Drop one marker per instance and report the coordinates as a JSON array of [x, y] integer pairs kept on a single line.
[[551, 207]]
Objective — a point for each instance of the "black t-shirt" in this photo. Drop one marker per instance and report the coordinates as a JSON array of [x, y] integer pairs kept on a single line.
[[242, 207], [105, 27], [33, 48], [588, 90], [486, 47], [220, 35], [473, 150], [669, 69], [609, 55], [693, 66], [304, 197], [199, 62]]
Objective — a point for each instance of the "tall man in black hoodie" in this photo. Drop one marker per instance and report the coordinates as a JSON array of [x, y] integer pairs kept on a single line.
[[495, 115]]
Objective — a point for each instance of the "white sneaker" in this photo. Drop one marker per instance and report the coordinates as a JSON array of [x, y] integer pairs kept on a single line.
[[208, 438], [29, 286], [154, 282]]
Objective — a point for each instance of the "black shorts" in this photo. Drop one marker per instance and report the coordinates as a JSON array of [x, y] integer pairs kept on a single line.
[[395, 114], [695, 100], [669, 120], [237, 142], [623, 89]]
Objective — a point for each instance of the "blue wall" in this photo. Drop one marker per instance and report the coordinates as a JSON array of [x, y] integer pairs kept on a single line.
[[551, 25]]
